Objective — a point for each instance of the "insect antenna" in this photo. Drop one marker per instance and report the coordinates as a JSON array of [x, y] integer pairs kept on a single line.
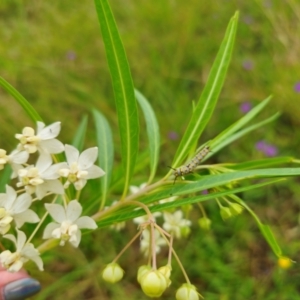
[[175, 174]]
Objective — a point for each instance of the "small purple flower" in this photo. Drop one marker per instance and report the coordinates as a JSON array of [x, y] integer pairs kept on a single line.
[[260, 146], [248, 64], [297, 87], [245, 107], [204, 192], [172, 135], [267, 149], [271, 151], [71, 55]]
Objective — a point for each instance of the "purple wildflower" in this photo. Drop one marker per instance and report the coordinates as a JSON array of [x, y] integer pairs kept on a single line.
[[270, 151], [172, 135], [260, 146], [245, 107], [248, 64], [204, 192], [297, 87], [267, 149]]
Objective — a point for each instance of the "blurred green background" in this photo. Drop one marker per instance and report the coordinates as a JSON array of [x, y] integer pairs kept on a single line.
[[52, 53]]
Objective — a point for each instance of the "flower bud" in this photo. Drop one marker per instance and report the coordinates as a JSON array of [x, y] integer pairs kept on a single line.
[[153, 283], [187, 292], [225, 213], [112, 273], [235, 208], [284, 262], [166, 271], [204, 223], [141, 271], [185, 231]]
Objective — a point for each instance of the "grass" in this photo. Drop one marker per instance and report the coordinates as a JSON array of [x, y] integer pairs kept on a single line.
[[53, 54]]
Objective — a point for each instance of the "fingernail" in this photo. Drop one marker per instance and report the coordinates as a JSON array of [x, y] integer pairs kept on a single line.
[[21, 289]]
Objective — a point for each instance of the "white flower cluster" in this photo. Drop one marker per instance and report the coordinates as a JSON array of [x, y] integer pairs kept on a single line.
[[39, 180], [173, 222]]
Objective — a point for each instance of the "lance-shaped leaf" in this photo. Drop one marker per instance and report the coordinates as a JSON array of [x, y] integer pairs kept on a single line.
[[240, 123], [152, 132], [208, 99], [239, 134], [265, 229], [127, 213], [31, 112], [123, 89], [106, 151]]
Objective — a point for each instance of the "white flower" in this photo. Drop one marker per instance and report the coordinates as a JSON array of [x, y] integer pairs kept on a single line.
[[145, 241], [175, 224], [68, 223], [142, 219], [80, 168], [15, 159], [41, 178], [15, 208], [43, 141], [166, 200], [134, 189], [13, 262]]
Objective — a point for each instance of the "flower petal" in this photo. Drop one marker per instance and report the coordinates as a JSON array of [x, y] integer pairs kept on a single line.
[[44, 162], [11, 238], [21, 204], [52, 172], [72, 154], [86, 222], [28, 216], [19, 157], [53, 186], [87, 158], [78, 239], [56, 211], [49, 229], [51, 146], [94, 172], [40, 126], [74, 210], [49, 132], [10, 197], [21, 239]]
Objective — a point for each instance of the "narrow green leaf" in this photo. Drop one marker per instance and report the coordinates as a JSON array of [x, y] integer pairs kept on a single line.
[[262, 163], [127, 213], [212, 181], [79, 137], [265, 229], [31, 112], [240, 123], [106, 151], [239, 134], [152, 132], [123, 89], [210, 94], [268, 234]]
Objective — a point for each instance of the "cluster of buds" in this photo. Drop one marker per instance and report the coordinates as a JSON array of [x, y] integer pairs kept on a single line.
[[36, 181], [153, 281]]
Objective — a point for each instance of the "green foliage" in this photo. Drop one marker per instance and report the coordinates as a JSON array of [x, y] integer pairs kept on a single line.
[[208, 99], [152, 132], [222, 180], [123, 89]]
